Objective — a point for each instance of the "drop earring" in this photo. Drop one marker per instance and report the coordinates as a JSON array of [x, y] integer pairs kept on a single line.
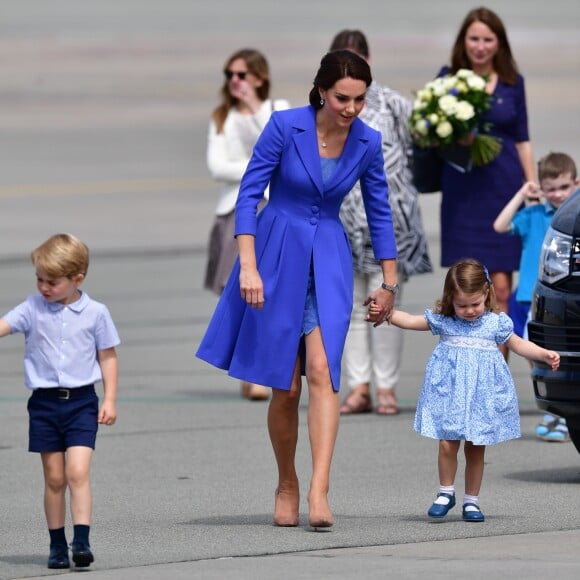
[[321, 102]]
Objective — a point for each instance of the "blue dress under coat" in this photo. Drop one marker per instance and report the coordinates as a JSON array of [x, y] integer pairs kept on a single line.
[[298, 229], [471, 201]]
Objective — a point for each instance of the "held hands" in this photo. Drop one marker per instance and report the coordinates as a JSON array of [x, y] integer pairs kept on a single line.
[[380, 305], [252, 288]]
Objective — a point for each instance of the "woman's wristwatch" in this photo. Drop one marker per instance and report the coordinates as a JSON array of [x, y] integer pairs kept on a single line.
[[394, 288]]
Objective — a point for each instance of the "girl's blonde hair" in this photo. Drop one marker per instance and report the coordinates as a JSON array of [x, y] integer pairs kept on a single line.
[[62, 255], [467, 276]]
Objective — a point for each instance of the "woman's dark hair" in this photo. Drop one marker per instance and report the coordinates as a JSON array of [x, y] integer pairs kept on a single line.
[[503, 62], [258, 66], [337, 65], [353, 40]]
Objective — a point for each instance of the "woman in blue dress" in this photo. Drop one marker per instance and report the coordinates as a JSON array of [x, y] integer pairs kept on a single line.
[[468, 393], [286, 307], [471, 201]]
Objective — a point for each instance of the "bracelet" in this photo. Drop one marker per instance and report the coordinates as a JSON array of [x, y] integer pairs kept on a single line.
[[394, 288]]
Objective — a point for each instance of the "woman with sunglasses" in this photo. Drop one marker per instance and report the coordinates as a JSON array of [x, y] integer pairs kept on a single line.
[[234, 129], [285, 310]]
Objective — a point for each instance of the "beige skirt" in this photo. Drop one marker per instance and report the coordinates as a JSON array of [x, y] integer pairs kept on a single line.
[[222, 253]]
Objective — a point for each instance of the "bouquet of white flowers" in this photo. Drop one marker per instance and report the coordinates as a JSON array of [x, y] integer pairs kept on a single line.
[[448, 109]]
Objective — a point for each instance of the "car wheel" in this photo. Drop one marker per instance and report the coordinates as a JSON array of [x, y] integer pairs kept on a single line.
[[574, 430]]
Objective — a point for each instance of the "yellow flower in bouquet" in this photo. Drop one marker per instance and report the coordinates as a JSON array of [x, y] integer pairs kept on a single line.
[[448, 109]]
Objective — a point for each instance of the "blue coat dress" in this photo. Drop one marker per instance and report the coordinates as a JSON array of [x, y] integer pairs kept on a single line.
[[298, 231]]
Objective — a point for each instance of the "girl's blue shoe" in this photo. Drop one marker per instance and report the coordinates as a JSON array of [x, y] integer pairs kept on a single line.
[[472, 515], [439, 510]]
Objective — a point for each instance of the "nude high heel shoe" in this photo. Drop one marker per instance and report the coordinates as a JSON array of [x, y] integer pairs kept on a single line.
[[254, 392]]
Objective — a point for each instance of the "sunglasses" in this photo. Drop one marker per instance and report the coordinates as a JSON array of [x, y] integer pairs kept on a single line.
[[229, 74]]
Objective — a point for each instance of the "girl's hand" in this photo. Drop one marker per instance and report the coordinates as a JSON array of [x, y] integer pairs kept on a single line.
[[107, 413], [380, 304], [252, 288], [374, 312], [552, 358]]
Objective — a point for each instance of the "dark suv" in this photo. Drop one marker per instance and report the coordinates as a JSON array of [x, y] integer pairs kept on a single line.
[[555, 320]]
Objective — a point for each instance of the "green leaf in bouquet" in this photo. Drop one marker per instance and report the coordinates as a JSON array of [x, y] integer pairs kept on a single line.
[[484, 150]]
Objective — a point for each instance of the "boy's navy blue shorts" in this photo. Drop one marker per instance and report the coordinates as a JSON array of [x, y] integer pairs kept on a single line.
[[62, 418]]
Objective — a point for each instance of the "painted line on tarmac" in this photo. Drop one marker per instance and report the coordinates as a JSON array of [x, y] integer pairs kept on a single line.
[[105, 186]]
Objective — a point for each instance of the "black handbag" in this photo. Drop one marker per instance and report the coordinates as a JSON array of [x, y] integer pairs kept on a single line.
[[427, 168], [428, 164]]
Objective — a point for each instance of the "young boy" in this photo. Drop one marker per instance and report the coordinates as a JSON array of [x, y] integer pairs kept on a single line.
[[70, 345], [558, 180]]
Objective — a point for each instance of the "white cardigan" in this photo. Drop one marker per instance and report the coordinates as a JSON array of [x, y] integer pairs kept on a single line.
[[229, 152]]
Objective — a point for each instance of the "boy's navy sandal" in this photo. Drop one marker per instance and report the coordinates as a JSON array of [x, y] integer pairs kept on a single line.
[[438, 510], [81, 554], [58, 557], [475, 515]]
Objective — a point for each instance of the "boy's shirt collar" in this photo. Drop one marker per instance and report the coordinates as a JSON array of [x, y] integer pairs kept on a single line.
[[76, 306], [548, 206]]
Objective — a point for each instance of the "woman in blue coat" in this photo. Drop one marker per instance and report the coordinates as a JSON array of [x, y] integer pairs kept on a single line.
[[285, 310]]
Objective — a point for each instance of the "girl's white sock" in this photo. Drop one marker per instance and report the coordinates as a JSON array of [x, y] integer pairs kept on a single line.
[[448, 489], [471, 499]]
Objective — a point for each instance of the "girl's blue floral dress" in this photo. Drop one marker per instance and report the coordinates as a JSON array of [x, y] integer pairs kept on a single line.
[[468, 392]]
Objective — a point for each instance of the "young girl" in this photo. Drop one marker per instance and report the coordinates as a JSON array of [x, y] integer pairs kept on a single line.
[[468, 393]]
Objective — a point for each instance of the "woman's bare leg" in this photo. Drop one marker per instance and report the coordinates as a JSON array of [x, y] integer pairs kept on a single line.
[[283, 430], [323, 417]]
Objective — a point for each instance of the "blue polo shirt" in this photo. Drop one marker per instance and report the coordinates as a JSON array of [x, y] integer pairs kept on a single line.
[[62, 340], [531, 224]]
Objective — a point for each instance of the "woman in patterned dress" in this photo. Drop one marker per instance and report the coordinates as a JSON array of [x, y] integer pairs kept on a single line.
[[373, 355]]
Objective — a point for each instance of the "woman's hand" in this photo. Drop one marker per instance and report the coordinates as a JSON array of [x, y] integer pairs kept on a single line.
[[467, 140], [252, 288], [382, 302]]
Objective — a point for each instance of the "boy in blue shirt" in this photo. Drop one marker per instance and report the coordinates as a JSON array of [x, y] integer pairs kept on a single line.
[[70, 345], [558, 180]]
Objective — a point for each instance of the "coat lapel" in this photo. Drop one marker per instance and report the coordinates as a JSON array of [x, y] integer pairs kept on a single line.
[[307, 146], [355, 147]]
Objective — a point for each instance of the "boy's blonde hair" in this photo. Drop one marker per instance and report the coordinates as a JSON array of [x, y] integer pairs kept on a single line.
[[62, 255], [468, 277], [554, 165]]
